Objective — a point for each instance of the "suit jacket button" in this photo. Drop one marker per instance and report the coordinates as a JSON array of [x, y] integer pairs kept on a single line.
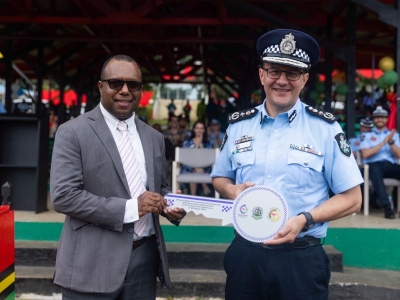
[[130, 230]]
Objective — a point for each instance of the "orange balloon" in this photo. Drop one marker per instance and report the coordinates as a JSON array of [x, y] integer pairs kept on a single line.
[[386, 64]]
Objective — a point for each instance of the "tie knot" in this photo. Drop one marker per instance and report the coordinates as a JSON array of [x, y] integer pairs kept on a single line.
[[122, 126]]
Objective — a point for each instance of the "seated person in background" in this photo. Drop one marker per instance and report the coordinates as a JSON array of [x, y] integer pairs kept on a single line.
[[216, 136], [183, 125], [381, 150], [174, 134], [365, 126], [169, 148], [198, 139]]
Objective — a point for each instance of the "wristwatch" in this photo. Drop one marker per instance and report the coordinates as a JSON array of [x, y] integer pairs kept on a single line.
[[310, 221], [391, 142]]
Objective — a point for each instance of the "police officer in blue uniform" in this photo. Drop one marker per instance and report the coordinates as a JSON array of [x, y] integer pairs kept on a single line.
[[366, 125], [380, 149], [299, 151]]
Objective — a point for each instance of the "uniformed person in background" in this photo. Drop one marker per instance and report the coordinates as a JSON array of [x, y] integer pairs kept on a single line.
[[380, 149], [355, 142], [299, 151], [365, 126]]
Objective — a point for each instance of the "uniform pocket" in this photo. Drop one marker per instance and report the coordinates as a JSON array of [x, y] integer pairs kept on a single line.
[[242, 164], [303, 171]]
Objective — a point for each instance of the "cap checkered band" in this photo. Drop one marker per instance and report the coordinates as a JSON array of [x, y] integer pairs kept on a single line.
[[272, 49], [298, 52], [285, 58]]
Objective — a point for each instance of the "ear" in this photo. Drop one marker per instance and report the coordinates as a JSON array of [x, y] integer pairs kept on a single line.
[[261, 74], [304, 79], [100, 86]]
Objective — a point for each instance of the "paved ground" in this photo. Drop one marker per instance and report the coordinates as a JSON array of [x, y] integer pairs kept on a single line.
[[58, 297]]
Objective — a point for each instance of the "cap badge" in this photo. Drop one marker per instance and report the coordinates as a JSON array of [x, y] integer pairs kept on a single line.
[[288, 44]]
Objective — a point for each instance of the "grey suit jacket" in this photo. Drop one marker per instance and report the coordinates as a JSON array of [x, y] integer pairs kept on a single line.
[[89, 186]]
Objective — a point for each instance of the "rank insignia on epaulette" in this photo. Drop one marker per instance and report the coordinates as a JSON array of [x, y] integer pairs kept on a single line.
[[242, 115], [224, 141], [326, 116]]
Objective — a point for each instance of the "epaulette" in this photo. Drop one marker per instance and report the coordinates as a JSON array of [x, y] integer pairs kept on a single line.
[[326, 116], [242, 115]]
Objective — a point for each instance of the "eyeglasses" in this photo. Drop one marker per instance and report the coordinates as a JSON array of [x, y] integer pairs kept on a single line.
[[117, 84], [274, 73]]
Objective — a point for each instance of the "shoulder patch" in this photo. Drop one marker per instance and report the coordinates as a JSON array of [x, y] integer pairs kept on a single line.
[[343, 144], [326, 116], [242, 115]]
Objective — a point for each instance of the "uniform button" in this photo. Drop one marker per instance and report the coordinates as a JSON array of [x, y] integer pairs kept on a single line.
[[306, 163], [239, 163], [271, 151], [130, 230], [275, 130], [269, 176]]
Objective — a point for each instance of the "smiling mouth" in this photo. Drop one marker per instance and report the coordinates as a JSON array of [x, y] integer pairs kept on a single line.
[[281, 90]]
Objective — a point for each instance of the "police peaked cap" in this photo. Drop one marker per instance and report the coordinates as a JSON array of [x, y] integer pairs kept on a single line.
[[379, 112], [288, 47], [366, 123]]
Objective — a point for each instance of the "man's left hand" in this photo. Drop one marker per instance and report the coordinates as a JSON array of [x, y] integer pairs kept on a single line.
[[289, 232], [175, 214]]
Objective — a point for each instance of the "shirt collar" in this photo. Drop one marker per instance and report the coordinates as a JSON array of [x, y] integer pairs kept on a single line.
[[113, 121], [375, 130], [290, 114]]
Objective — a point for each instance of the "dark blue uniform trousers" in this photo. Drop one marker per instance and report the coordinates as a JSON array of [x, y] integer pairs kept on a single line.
[[377, 172], [257, 273]]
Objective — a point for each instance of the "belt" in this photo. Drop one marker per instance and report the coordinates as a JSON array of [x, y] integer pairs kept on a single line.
[[298, 243], [138, 243]]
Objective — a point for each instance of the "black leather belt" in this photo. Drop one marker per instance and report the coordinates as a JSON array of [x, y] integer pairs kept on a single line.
[[299, 243], [138, 243]]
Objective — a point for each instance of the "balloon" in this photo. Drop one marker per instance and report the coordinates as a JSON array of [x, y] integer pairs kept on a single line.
[[386, 64], [320, 87], [313, 95], [342, 89], [380, 83], [390, 77]]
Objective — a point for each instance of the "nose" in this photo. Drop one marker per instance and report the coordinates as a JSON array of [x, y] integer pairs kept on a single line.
[[282, 79], [124, 89]]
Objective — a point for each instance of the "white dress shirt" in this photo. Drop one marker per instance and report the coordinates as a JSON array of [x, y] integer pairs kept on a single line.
[[131, 208]]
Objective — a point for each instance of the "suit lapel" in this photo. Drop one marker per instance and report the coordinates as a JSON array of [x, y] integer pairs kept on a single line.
[[99, 125], [147, 144]]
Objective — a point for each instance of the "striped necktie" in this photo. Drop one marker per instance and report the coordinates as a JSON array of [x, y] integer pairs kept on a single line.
[[132, 172]]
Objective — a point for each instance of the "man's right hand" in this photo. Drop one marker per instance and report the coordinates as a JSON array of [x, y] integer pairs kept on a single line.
[[150, 202], [236, 189]]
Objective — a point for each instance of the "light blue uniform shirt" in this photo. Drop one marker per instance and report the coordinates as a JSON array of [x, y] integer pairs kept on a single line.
[[375, 137], [302, 178], [355, 143]]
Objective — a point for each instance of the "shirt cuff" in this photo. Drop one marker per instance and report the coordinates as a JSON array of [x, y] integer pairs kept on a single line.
[[131, 211]]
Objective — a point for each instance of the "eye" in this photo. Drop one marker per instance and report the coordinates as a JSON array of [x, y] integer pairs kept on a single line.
[[274, 71]]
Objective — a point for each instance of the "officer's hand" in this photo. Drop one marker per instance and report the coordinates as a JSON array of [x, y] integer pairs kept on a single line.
[[391, 134], [175, 214], [151, 202], [289, 232], [235, 189]]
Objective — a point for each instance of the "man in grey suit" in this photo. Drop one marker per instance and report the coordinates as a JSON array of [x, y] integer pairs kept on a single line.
[[101, 255]]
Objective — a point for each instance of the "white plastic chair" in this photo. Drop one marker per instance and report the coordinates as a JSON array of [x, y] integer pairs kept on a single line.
[[389, 183], [194, 158]]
